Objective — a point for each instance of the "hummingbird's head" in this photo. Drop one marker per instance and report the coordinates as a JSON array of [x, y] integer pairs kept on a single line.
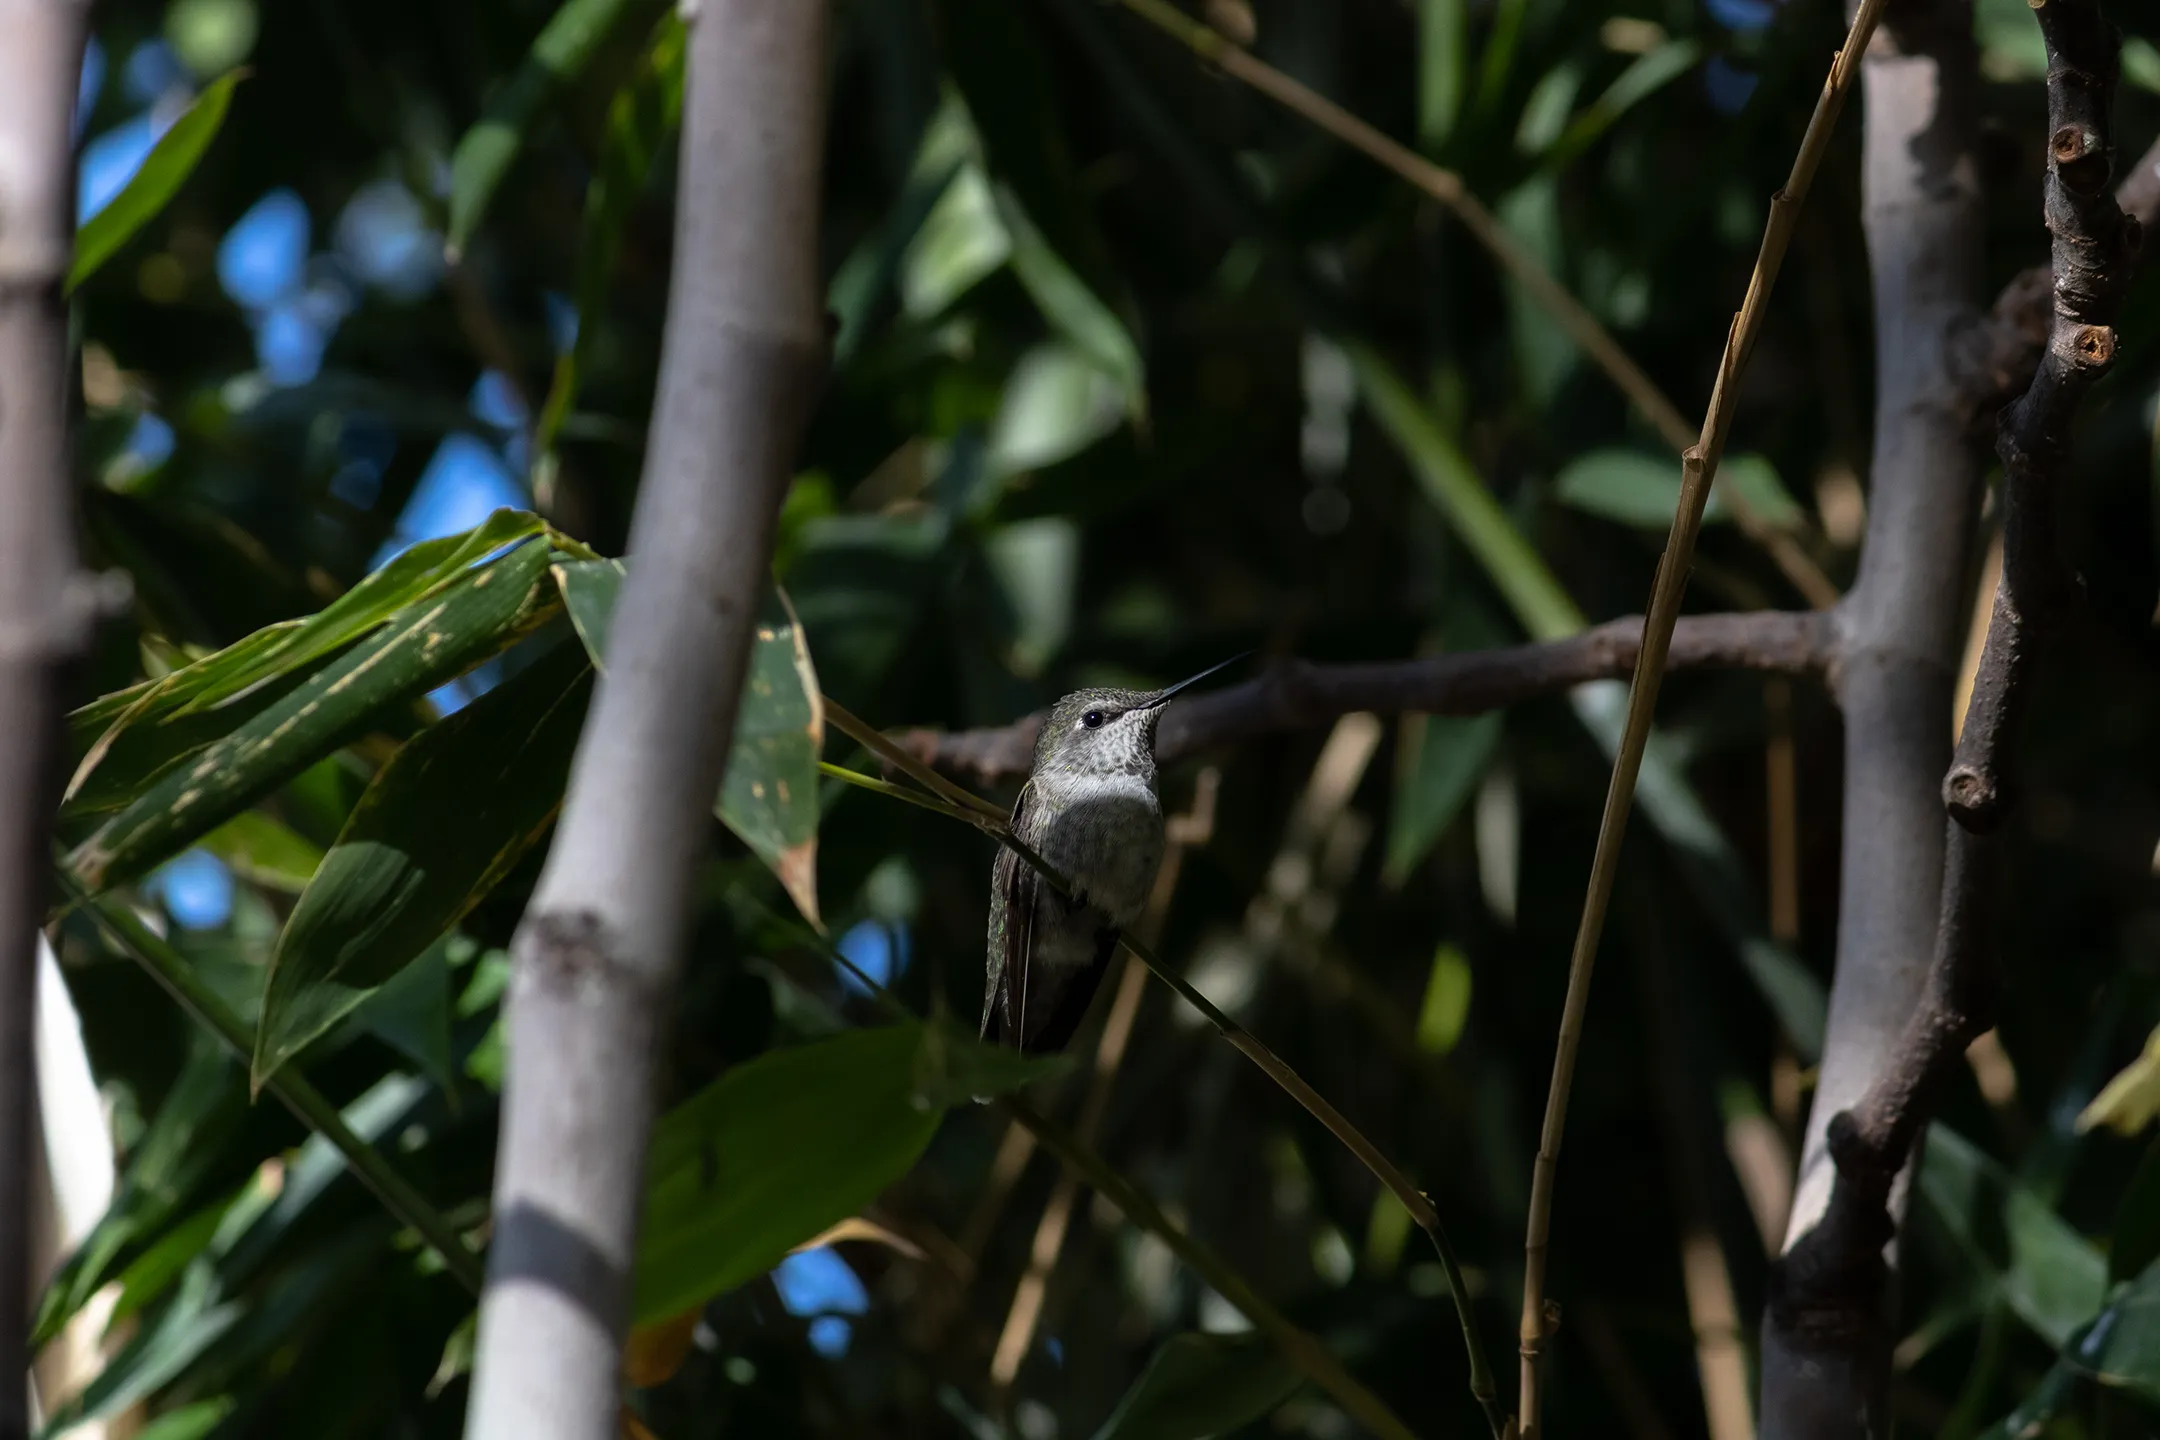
[[1105, 732]]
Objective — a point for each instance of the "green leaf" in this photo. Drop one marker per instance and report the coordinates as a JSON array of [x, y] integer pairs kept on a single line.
[[770, 1154], [1635, 488], [2053, 1278], [1645, 76], [1072, 309], [265, 852], [2122, 1348], [128, 738], [782, 1147], [564, 47], [430, 641], [643, 114], [2128, 1103], [167, 168], [1202, 1385], [168, 1164], [153, 1272], [442, 823], [1057, 402], [1452, 754], [1447, 1002], [1443, 50], [769, 796], [410, 1012], [189, 1422]]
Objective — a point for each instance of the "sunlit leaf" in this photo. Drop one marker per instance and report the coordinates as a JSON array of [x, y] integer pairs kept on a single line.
[[1073, 310], [265, 851], [1635, 488], [162, 174], [430, 641], [131, 736], [1202, 1385], [437, 830], [564, 47], [1645, 75], [769, 796], [2128, 1103]]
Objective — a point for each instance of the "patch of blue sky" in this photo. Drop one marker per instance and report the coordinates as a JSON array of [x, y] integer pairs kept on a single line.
[[465, 482], [819, 1284], [88, 87], [152, 72], [879, 948], [383, 235], [263, 257], [111, 160], [195, 888]]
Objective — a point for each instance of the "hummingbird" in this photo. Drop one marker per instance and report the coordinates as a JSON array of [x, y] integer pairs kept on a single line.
[[1090, 809]]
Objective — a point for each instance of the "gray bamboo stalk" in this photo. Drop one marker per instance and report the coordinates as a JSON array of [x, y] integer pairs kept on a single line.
[[42, 614], [1900, 624], [597, 954]]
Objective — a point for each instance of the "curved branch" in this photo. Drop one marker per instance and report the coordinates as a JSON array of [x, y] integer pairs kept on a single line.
[[1297, 696]]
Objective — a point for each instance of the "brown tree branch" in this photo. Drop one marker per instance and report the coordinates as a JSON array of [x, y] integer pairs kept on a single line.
[[1828, 1293], [1296, 695], [1995, 358]]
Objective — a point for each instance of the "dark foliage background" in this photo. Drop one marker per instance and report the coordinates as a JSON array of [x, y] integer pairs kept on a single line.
[[986, 518]]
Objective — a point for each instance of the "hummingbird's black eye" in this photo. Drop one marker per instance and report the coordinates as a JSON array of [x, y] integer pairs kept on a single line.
[[1092, 719]]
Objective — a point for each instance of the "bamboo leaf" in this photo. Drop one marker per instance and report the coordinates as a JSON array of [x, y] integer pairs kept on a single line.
[[265, 851], [2128, 1103], [440, 826], [430, 641], [782, 1147], [2053, 1278], [166, 169], [769, 796], [1202, 1385], [127, 739], [1634, 488], [564, 47]]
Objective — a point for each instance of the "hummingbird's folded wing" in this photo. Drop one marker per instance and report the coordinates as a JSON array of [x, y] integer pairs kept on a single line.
[[1014, 888]]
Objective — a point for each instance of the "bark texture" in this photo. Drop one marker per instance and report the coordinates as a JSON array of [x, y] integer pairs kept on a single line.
[[597, 955], [1899, 635]]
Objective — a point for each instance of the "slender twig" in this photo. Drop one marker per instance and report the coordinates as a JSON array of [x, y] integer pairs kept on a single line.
[[1448, 188], [1298, 695], [1311, 1358], [1996, 355], [1827, 1292], [1698, 470], [172, 972], [1413, 1200]]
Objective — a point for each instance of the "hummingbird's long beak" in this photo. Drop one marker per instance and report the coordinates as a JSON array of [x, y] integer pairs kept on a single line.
[[1162, 697]]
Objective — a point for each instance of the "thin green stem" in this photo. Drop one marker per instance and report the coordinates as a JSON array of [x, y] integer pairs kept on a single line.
[[1483, 1386], [898, 757], [1698, 470], [172, 971], [899, 792], [1312, 1359]]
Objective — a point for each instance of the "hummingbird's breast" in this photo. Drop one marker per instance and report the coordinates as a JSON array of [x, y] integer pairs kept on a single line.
[[1106, 833]]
